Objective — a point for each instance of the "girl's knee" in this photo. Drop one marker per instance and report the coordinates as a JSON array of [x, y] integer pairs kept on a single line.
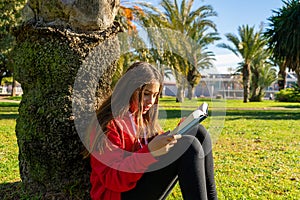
[[194, 146], [203, 135], [199, 131], [202, 131]]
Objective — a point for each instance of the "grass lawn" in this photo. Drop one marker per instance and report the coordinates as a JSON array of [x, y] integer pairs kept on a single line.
[[256, 147]]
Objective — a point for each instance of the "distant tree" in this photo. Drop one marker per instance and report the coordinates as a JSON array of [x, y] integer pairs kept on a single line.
[[134, 46], [10, 17], [125, 17], [263, 74], [284, 37], [260, 69], [4, 71], [201, 57], [188, 21], [266, 78], [247, 45], [281, 73]]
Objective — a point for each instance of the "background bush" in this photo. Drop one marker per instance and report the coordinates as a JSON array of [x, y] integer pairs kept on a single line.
[[288, 95]]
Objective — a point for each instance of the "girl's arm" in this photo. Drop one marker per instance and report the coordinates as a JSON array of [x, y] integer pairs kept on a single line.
[[117, 169]]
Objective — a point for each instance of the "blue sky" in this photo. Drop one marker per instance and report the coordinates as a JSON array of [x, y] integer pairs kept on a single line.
[[234, 13], [231, 15]]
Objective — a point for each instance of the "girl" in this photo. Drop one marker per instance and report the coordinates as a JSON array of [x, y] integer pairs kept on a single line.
[[132, 158]]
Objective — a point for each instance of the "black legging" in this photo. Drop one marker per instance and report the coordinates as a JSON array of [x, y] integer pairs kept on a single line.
[[194, 170]]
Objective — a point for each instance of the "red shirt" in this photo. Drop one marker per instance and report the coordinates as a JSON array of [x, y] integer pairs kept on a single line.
[[118, 169]]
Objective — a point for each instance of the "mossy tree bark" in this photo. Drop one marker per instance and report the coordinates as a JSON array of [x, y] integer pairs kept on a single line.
[[49, 53]]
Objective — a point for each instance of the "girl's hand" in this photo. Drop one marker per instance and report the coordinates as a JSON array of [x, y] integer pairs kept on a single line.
[[161, 144]]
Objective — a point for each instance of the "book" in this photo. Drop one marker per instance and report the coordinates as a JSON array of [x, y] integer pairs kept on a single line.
[[194, 118]]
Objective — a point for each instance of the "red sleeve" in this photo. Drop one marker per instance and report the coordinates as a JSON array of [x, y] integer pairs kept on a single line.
[[119, 170]]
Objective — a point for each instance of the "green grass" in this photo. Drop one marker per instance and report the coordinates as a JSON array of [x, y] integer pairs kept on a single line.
[[257, 151], [8, 146], [257, 157], [9, 168], [16, 98]]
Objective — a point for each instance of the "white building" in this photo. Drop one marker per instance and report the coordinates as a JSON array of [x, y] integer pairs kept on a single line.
[[224, 85]]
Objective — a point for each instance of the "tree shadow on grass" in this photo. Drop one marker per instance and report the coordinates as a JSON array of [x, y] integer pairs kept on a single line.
[[264, 114], [9, 111], [9, 104], [238, 114], [8, 116], [290, 106], [174, 113]]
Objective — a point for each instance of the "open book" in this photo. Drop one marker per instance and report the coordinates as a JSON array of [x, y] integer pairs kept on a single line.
[[195, 117]]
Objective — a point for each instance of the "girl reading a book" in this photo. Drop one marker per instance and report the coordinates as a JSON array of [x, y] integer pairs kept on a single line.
[[133, 158]]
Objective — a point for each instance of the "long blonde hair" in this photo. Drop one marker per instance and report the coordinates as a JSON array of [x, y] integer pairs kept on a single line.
[[116, 105]]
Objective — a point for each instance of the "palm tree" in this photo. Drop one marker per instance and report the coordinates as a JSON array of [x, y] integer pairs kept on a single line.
[[201, 57], [248, 45], [187, 22], [266, 78], [260, 62], [263, 74], [133, 47], [284, 36], [281, 73]]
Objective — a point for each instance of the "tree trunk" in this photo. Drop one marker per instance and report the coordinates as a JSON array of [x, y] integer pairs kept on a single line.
[[162, 71], [281, 79], [254, 87], [261, 94], [246, 81], [297, 71], [14, 88], [59, 68], [191, 91], [180, 90]]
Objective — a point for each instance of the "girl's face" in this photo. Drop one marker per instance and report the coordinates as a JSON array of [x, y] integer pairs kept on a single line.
[[151, 91]]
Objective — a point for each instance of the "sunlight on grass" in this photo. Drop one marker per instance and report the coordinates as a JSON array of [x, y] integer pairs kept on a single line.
[[9, 168], [259, 159], [257, 153]]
